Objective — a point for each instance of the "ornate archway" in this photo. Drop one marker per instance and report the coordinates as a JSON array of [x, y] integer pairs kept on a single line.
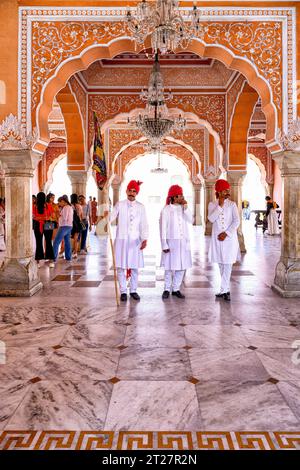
[[254, 42]]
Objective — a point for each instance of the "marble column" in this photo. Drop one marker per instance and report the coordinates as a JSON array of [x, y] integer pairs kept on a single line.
[[235, 179], [197, 204], [2, 184], [209, 196], [287, 274], [271, 189], [18, 273], [78, 181]]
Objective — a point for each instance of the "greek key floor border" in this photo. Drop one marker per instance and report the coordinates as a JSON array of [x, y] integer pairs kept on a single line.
[[143, 440]]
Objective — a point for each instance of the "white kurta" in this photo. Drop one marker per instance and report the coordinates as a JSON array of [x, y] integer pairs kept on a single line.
[[174, 233], [224, 219], [132, 229]]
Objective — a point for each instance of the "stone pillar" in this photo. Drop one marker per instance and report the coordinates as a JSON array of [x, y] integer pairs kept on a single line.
[[209, 196], [2, 185], [235, 179], [271, 189], [197, 204], [78, 181], [18, 273], [287, 275]]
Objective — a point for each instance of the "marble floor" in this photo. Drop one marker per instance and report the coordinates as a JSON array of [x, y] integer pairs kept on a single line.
[[80, 372]]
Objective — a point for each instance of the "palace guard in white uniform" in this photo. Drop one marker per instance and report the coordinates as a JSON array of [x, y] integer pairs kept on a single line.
[[224, 247], [175, 241], [131, 239]]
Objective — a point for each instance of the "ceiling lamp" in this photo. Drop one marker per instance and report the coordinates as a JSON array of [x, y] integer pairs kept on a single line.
[[156, 123], [163, 21]]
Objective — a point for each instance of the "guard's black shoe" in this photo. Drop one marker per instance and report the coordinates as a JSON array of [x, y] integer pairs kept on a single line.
[[166, 294], [123, 297], [226, 296], [219, 296], [178, 294], [135, 295]]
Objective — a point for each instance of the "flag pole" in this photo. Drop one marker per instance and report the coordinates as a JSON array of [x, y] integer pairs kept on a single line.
[[112, 252]]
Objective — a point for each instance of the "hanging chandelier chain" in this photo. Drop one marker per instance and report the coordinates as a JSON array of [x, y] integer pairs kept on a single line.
[[156, 123], [162, 20]]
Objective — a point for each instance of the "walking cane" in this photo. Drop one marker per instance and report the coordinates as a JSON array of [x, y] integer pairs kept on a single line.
[[113, 257]]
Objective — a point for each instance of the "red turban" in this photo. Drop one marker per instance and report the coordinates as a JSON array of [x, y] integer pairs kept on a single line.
[[133, 184], [221, 185], [174, 190]]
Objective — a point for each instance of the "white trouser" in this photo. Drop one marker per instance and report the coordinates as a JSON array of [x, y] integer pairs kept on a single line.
[[123, 281], [177, 280], [225, 271]]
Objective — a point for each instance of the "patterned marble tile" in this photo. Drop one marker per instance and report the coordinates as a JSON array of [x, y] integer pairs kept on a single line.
[[146, 313], [81, 364], [290, 390], [201, 285], [38, 315], [35, 336], [161, 335], [244, 405], [204, 314], [12, 393], [281, 363], [4, 330], [64, 404], [67, 277], [270, 336], [150, 405], [86, 284], [89, 335], [226, 364], [104, 314], [215, 337], [24, 363], [255, 314], [137, 363]]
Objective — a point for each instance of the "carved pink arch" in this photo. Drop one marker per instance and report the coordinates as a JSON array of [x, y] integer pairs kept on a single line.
[[121, 45]]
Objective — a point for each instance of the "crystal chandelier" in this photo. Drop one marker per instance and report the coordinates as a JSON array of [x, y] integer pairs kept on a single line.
[[159, 169], [163, 20], [155, 123]]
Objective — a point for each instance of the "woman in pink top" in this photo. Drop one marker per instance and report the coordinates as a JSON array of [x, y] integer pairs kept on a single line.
[[65, 225]]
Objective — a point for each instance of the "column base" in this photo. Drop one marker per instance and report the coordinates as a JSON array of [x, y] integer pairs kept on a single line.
[[19, 278], [287, 279], [242, 242]]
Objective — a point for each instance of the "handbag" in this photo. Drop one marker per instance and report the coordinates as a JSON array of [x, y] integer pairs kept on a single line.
[[49, 225]]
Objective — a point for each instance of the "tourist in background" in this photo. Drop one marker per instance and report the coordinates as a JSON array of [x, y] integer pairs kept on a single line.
[[94, 216], [55, 209], [65, 224], [42, 227], [86, 219], [272, 217], [77, 227]]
